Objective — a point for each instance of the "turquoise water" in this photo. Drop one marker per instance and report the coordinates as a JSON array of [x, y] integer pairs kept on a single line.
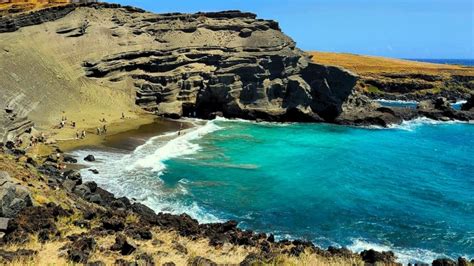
[[408, 189]]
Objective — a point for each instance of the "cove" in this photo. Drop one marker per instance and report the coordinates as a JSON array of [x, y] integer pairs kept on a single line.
[[407, 188]]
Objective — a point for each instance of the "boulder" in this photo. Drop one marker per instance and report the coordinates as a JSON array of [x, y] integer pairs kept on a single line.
[[442, 103], [4, 224], [113, 223], [372, 256], [82, 190], [469, 105], [80, 249], [13, 197], [121, 244], [201, 261], [89, 158], [462, 262], [69, 159], [444, 262]]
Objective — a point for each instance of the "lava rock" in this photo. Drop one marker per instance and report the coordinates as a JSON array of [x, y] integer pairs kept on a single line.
[[444, 262], [114, 223], [89, 158], [372, 256], [13, 197], [121, 244], [81, 249], [200, 261], [69, 159], [94, 171]]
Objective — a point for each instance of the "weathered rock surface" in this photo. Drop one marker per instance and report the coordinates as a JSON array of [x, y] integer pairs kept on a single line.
[[469, 105], [440, 109], [13, 197], [227, 62]]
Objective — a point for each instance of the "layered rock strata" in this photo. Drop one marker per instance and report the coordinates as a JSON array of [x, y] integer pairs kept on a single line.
[[227, 63]]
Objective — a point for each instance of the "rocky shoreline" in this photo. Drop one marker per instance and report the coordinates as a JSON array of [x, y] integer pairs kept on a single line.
[[99, 213]]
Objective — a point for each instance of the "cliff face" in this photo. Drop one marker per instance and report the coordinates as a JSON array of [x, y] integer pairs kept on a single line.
[[229, 63], [105, 57]]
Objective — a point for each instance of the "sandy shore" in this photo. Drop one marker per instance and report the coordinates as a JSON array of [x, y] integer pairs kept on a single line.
[[125, 134]]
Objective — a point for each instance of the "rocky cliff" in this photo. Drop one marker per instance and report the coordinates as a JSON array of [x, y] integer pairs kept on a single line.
[[229, 63]]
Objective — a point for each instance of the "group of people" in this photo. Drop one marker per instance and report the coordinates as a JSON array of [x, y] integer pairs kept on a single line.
[[63, 122], [81, 135], [34, 140], [102, 130]]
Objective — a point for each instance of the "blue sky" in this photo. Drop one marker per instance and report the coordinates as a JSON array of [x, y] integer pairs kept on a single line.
[[393, 28]]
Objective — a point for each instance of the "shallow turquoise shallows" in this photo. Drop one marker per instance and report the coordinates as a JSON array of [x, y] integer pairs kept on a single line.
[[409, 189]]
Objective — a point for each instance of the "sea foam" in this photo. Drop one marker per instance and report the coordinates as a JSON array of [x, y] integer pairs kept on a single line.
[[136, 175], [177, 147], [404, 255]]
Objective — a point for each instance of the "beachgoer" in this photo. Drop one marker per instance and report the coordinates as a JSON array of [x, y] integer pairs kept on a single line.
[[83, 134], [73, 124], [77, 135], [123, 115], [98, 131], [104, 129]]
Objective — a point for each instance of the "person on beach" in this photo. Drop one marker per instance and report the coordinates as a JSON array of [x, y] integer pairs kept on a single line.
[[83, 134], [77, 135], [104, 129], [73, 124], [180, 128], [123, 115], [98, 131]]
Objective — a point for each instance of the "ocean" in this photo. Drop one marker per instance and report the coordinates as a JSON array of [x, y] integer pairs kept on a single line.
[[407, 188], [463, 62]]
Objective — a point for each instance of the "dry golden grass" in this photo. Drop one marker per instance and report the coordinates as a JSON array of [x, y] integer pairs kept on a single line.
[[30, 5], [362, 64]]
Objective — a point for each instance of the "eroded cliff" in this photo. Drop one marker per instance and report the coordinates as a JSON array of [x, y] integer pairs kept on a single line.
[[203, 64]]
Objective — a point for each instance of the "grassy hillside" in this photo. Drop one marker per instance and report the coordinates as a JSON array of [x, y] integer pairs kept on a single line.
[[366, 65], [402, 79]]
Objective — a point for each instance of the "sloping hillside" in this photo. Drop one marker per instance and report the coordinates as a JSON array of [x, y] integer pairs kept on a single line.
[[395, 78]]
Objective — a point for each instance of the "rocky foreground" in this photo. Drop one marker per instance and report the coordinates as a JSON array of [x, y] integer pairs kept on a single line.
[[50, 216]]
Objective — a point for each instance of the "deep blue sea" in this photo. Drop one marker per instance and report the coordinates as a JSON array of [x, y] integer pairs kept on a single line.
[[464, 62], [408, 188]]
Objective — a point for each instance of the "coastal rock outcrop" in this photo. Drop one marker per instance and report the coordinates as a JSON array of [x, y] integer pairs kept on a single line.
[[469, 105], [225, 62]]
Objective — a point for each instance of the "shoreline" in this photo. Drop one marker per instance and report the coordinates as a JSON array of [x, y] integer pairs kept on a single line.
[[299, 245], [400, 250]]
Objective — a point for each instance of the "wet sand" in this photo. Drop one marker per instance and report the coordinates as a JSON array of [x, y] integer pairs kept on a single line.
[[130, 139], [125, 134]]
